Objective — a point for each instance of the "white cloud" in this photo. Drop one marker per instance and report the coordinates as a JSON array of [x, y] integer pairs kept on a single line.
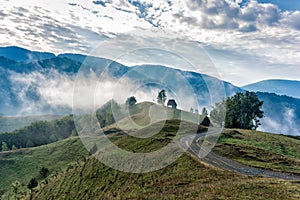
[[42, 93], [265, 38], [292, 19], [287, 125]]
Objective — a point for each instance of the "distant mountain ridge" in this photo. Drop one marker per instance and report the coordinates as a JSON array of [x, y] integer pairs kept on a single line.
[[23, 55], [26, 87], [278, 86], [67, 65]]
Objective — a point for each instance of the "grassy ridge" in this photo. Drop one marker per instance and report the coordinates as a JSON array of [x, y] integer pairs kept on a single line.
[[143, 114], [259, 149], [186, 178]]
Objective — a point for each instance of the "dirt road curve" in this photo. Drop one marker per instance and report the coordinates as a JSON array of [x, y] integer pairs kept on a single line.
[[193, 146]]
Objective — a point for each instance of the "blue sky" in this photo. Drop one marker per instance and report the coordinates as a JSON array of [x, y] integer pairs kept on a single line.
[[246, 43], [284, 4]]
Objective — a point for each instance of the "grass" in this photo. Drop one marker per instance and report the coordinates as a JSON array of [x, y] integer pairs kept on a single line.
[[165, 134], [147, 113], [75, 175], [259, 149], [23, 164], [186, 178]]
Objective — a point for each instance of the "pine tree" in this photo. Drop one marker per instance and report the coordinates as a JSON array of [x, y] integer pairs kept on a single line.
[[44, 172], [4, 146], [162, 97], [14, 147], [204, 112]]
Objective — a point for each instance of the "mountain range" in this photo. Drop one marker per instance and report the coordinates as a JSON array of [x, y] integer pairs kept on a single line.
[[42, 83], [278, 86]]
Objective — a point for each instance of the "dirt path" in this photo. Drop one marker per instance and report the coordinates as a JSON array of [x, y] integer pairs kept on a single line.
[[193, 146]]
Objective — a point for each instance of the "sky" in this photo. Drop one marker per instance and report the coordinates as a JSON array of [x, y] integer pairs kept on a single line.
[[246, 40]]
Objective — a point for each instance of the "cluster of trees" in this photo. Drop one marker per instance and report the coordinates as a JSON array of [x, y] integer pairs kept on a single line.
[[243, 110], [107, 113], [111, 111], [38, 133]]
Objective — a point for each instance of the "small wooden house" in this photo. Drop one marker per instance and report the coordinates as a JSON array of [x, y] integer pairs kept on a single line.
[[172, 103]]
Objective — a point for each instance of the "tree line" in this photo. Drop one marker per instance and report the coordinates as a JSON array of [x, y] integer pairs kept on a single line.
[[38, 133]]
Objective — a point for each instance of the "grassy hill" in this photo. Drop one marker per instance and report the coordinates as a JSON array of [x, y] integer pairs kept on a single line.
[[143, 114], [76, 175], [259, 149], [186, 178], [23, 164]]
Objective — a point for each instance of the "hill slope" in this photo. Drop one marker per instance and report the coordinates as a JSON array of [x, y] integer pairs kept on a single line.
[[75, 175], [186, 178], [23, 164], [262, 150]]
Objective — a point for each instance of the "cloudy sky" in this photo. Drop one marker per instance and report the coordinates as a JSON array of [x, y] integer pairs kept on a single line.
[[247, 40]]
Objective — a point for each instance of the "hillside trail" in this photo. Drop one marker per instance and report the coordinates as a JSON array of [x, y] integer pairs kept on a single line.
[[193, 146]]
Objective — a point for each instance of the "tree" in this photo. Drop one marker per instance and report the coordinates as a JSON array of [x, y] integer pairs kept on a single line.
[[242, 110], [14, 147], [44, 172], [218, 113], [131, 101], [29, 143], [4, 146], [32, 184], [162, 97], [16, 188], [109, 113], [204, 112]]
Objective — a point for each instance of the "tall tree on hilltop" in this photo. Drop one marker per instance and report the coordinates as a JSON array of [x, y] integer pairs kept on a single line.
[[162, 97], [130, 101], [204, 112]]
